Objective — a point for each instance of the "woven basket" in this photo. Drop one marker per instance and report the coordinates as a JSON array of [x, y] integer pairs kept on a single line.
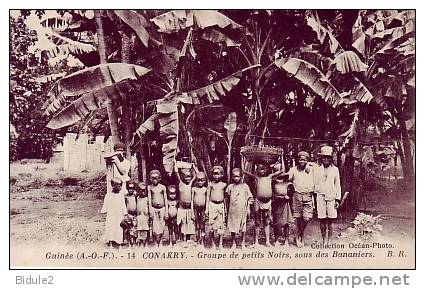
[[261, 154]]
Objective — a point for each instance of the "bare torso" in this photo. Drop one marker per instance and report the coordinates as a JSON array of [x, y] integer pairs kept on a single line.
[[199, 196], [130, 202], [142, 206], [185, 197], [172, 208], [264, 187], [281, 188], [157, 196], [217, 191]]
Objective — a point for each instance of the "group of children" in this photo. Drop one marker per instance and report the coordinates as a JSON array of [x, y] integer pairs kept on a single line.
[[138, 210]]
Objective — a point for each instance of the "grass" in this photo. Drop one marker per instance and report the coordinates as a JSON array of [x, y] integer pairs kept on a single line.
[[34, 174]]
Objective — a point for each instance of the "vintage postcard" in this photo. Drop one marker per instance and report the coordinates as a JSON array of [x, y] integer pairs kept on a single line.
[[280, 139]]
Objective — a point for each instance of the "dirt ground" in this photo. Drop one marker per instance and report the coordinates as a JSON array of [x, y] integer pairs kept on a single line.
[[47, 206]]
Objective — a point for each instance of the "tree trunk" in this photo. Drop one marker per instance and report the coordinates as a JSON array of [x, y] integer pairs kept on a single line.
[[407, 164], [112, 114], [126, 101]]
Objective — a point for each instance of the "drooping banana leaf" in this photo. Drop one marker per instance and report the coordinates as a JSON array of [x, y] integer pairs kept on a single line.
[[50, 77], [323, 34], [383, 23], [90, 80], [148, 124], [169, 131], [398, 36], [65, 45], [177, 20], [214, 91], [353, 130], [359, 36], [216, 36], [310, 75], [312, 56], [209, 93], [360, 92], [87, 103], [137, 22], [348, 62]]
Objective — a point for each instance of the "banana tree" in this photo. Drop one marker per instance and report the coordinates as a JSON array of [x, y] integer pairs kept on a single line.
[[379, 67]]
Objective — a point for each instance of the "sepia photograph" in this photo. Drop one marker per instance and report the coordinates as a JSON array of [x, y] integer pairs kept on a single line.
[[200, 139]]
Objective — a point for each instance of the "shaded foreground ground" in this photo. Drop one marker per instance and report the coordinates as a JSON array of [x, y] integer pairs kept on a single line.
[[48, 207]]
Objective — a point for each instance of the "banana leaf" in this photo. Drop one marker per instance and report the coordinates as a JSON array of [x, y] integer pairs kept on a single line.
[[360, 92], [177, 20], [90, 80], [216, 36], [353, 130], [86, 104], [137, 22], [348, 62], [310, 75], [168, 130], [323, 34], [65, 45]]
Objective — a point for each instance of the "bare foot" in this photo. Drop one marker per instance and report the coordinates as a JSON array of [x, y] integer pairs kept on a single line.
[[243, 247], [233, 246], [299, 242], [268, 244]]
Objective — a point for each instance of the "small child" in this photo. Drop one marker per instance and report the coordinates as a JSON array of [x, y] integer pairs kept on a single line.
[[215, 210], [173, 229], [158, 208], [115, 209], [185, 213], [132, 232], [130, 203], [240, 200], [199, 200], [142, 214], [262, 204], [281, 209]]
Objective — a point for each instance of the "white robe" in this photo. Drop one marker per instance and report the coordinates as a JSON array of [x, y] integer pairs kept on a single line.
[[115, 209]]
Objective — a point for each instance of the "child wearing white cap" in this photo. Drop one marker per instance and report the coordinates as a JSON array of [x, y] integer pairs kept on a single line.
[[328, 189]]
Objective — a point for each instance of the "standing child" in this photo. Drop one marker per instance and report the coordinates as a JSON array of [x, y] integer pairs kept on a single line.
[[199, 200], [263, 201], [215, 210], [240, 200], [328, 189], [281, 209], [185, 214], [115, 209], [173, 229], [130, 203], [142, 214], [302, 178], [158, 209]]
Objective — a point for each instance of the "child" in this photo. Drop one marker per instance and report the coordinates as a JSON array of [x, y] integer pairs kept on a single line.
[[130, 203], [185, 213], [142, 214], [158, 209], [199, 200], [262, 204], [281, 209], [328, 190], [215, 210], [173, 230], [132, 232], [302, 178], [240, 199], [115, 209]]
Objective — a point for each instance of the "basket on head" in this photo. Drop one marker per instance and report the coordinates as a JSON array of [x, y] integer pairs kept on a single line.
[[261, 154]]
